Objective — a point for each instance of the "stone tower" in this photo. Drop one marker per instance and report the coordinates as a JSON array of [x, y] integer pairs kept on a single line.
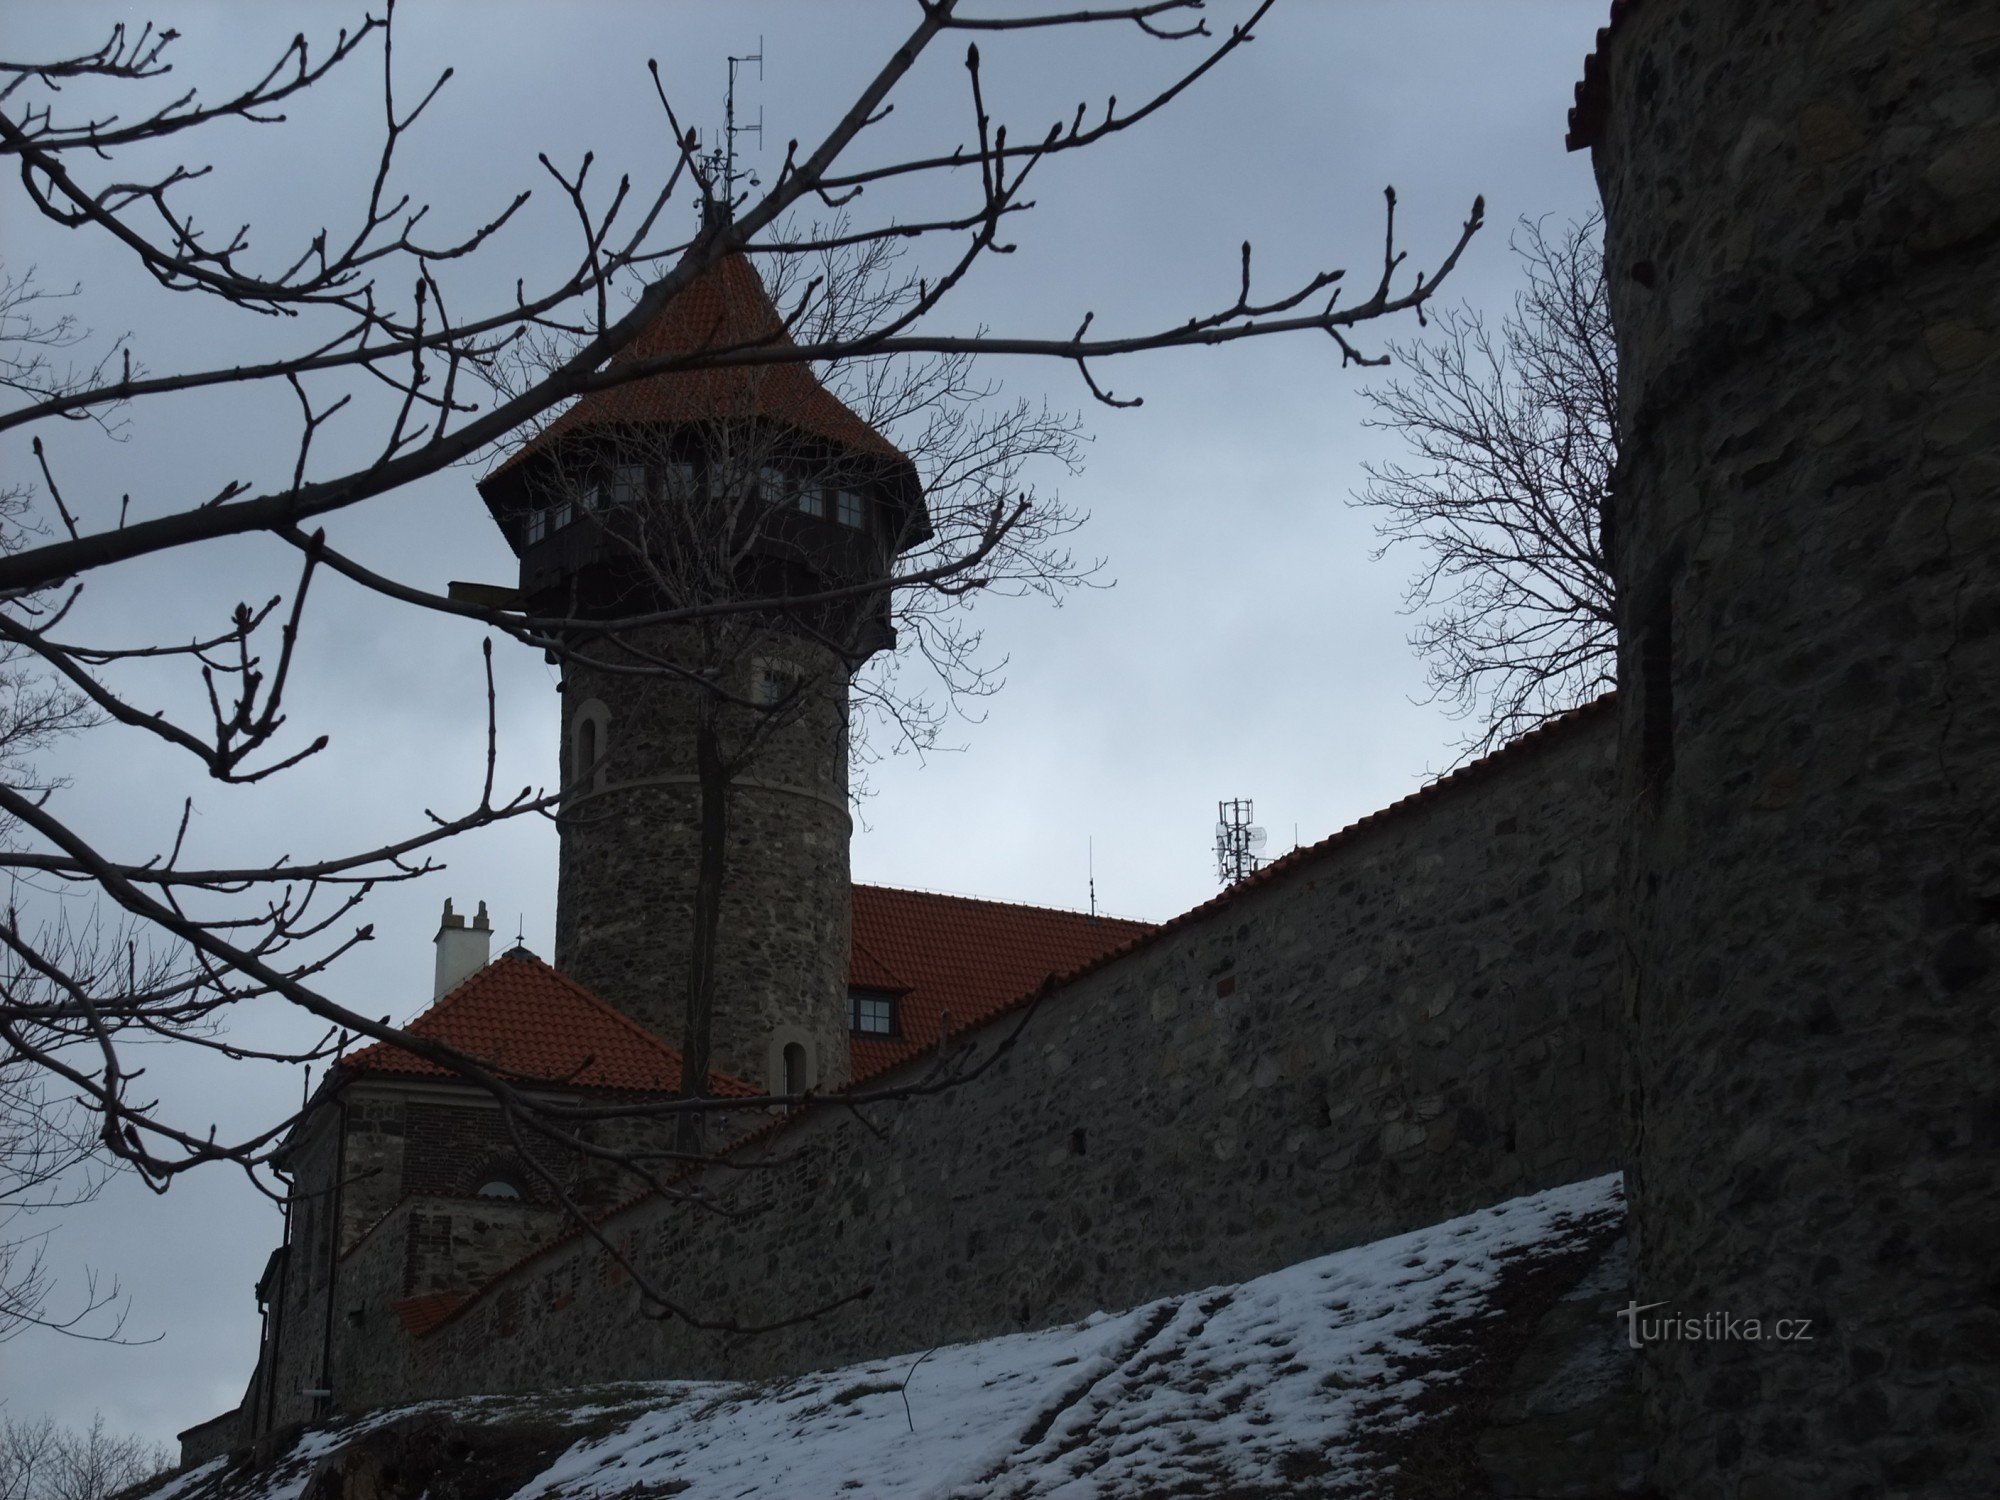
[[1802, 205], [683, 490]]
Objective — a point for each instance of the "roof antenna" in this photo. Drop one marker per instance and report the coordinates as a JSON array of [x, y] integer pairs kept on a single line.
[[1237, 840], [1090, 854], [521, 930], [719, 165]]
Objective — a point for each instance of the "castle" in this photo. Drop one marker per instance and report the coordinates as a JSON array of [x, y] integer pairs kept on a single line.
[[1731, 930]]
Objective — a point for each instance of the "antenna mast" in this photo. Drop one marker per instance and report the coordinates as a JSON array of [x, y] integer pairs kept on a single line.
[[1236, 840], [719, 165]]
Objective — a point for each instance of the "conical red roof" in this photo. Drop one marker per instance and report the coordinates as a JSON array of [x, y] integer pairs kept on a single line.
[[724, 308]]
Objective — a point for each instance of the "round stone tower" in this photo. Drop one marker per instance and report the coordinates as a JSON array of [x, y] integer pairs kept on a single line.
[[710, 755], [1802, 207]]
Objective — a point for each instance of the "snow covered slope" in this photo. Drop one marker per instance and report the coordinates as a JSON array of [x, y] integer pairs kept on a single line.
[[1326, 1378]]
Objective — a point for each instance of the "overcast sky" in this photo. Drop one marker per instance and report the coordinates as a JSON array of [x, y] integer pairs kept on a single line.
[[1250, 647]]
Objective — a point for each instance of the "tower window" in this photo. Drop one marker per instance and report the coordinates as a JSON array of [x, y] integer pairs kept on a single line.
[[795, 1068], [871, 1014], [771, 682], [812, 500], [628, 484], [590, 736], [538, 526], [850, 509], [679, 478], [773, 484]]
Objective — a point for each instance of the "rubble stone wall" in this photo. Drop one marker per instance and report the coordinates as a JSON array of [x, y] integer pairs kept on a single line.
[[1803, 243]]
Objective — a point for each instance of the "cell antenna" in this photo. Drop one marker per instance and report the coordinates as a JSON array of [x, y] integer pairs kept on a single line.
[[1237, 840], [719, 165]]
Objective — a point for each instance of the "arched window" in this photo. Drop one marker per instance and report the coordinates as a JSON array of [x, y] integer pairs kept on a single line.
[[795, 1068], [589, 739], [500, 1180]]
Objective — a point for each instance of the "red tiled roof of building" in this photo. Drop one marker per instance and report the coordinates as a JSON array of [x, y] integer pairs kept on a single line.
[[970, 958], [1593, 90], [522, 1018], [723, 309]]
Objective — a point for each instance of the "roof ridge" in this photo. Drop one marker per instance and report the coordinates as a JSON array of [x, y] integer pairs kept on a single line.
[[1058, 911]]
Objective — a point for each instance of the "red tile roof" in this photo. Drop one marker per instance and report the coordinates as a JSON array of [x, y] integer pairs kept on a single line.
[[1593, 90], [523, 1018], [970, 958], [723, 309]]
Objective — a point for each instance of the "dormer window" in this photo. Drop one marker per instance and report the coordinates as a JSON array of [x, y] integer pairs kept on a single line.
[[872, 1013]]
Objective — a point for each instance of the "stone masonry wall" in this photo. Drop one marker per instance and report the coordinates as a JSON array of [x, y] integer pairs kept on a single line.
[[630, 847], [1803, 239], [1412, 1022]]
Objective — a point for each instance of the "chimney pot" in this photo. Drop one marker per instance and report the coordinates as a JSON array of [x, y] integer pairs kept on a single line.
[[462, 951]]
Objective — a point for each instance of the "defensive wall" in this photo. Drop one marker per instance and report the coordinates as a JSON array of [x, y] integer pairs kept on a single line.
[[1410, 1020]]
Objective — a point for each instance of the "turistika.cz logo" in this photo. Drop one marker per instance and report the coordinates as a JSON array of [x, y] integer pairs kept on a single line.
[[1710, 1327]]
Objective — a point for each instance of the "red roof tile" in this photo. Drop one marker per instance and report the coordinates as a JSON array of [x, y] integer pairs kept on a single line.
[[723, 309], [1593, 90], [969, 958], [523, 1018]]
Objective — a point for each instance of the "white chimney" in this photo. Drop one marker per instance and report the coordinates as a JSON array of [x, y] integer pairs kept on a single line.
[[462, 951]]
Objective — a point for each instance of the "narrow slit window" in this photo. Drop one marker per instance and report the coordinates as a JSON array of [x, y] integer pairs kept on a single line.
[[1656, 673]]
